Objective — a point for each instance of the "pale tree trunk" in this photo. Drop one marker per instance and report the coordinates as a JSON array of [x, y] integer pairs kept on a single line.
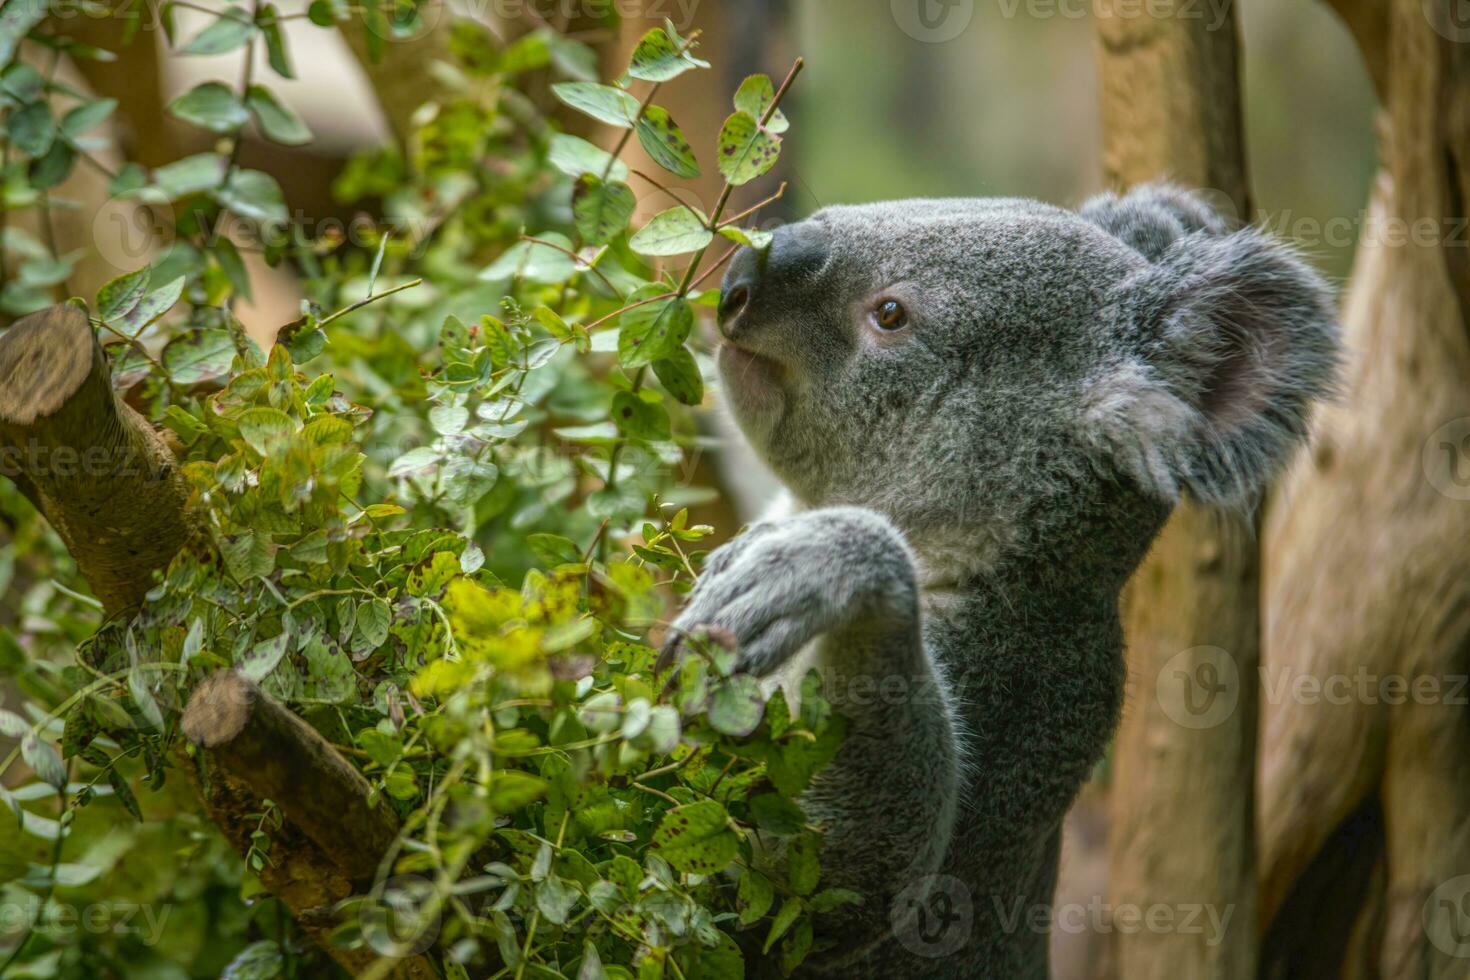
[[1181, 834], [1367, 577]]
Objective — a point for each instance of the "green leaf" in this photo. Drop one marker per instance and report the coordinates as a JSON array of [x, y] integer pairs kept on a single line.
[[230, 31], [264, 657], [591, 968], [696, 838], [776, 814], [198, 356], [85, 116], [512, 790], [120, 295], [190, 175], [232, 265], [54, 167], [13, 725], [259, 961], [755, 96], [373, 619], [604, 103], [803, 863], [753, 237], [152, 306], [665, 143], [414, 461], [20, 81], [253, 194], [556, 898], [796, 947], [673, 232], [130, 179], [275, 41], [833, 898], [44, 761], [553, 549], [275, 119], [574, 157], [746, 151], [654, 330], [534, 262], [211, 105], [267, 430], [16, 21], [790, 911], [679, 374], [124, 793], [736, 706], [638, 418], [601, 210], [31, 128], [754, 897], [248, 556], [326, 13], [660, 57]]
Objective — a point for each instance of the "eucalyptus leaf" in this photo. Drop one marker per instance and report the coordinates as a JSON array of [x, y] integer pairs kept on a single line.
[[676, 231], [746, 151]]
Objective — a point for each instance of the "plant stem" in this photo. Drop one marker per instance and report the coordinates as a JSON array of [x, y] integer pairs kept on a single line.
[[369, 299], [690, 273], [536, 915], [50, 880]]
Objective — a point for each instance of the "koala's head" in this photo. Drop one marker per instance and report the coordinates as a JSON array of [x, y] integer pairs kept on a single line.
[[995, 374]]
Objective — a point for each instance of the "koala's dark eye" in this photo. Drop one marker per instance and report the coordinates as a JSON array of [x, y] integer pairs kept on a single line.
[[891, 315]]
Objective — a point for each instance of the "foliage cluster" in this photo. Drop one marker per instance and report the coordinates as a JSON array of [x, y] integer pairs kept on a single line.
[[445, 512]]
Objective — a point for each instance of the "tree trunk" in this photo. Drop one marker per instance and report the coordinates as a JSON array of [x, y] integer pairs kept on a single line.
[[1182, 804], [1384, 651], [398, 69], [97, 471]]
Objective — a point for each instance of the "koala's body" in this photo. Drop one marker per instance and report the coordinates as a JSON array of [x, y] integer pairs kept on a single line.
[[984, 410]]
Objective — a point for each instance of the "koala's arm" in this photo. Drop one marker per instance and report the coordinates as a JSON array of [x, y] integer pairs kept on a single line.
[[845, 578]]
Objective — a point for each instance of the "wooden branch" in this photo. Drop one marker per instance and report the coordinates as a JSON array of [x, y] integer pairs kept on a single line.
[[257, 749], [1367, 576], [110, 486], [95, 468], [1182, 796], [282, 758], [1368, 22]]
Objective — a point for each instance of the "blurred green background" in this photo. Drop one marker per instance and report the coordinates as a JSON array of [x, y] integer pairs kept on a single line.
[[1010, 107]]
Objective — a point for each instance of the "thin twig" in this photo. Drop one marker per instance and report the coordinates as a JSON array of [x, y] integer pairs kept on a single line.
[[577, 260], [369, 299]]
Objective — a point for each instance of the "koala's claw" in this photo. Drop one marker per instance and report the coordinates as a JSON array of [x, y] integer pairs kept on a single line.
[[783, 583]]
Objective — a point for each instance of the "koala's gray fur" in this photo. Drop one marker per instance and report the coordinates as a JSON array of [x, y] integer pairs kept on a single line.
[[973, 490]]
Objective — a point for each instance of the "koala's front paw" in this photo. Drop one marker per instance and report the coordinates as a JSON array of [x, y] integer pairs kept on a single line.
[[783, 583]]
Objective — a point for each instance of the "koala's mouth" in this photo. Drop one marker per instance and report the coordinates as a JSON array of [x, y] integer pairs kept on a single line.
[[737, 362], [756, 384]]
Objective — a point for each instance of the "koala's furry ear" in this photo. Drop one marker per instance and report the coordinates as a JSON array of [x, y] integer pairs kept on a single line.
[[1227, 341], [1152, 216]]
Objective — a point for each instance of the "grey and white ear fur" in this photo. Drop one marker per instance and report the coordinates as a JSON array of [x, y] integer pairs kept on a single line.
[[1226, 340]]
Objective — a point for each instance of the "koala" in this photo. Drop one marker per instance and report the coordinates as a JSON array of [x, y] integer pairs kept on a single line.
[[983, 411]]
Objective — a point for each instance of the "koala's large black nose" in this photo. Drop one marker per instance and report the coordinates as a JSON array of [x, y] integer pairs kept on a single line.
[[760, 282]]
